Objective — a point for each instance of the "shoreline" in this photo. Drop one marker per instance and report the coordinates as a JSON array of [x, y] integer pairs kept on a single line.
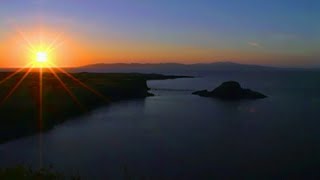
[[21, 110]]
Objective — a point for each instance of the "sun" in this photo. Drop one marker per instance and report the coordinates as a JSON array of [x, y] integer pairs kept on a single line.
[[41, 57]]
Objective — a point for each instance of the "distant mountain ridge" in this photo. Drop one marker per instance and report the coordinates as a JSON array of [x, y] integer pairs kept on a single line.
[[216, 64], [175, 68]]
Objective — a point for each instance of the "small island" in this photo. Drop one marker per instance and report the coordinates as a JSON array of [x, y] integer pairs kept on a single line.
[[230, 90]]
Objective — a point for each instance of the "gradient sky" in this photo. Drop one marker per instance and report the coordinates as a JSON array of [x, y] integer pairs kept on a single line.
[[270, 32]]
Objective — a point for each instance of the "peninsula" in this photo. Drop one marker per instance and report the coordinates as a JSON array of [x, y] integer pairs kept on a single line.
[[25, 112]]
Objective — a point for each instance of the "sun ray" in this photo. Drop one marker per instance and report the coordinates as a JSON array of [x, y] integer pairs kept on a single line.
[[52, 44], [15, 87], [74, 98], [55, 47], [15, 73], [81, 83], [40, 38], [23, 36], [40, 113], [40, 97], [30, 46]]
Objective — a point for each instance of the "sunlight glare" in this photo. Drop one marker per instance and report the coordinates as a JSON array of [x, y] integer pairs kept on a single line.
[[42, 57]]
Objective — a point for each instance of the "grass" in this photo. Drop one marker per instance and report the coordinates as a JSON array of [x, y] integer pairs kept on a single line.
[[24, 173]]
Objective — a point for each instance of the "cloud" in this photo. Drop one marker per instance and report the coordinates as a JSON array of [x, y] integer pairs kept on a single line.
[[255, 44]]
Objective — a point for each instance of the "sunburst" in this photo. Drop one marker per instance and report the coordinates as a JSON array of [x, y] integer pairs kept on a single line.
[[40, 58]]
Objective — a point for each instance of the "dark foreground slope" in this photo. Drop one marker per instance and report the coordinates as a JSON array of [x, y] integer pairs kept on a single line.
[[20, 113]]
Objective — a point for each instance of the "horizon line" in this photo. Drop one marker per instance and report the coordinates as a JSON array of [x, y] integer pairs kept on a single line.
[[187, 64]]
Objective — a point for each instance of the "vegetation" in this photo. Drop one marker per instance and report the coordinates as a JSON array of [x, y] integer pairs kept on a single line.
[[20, 113], [24, 173]]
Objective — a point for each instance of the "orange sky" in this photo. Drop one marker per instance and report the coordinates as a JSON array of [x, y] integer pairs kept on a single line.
[[284, 33], [17, 49], [76, 49]]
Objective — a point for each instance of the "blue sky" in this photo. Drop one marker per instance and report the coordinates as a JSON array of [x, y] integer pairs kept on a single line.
[[272, 32]]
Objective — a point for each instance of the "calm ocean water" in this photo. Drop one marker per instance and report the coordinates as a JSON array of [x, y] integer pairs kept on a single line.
[[178, 135]]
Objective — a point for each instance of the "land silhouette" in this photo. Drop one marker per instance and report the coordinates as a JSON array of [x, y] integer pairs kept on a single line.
[[230, 90], [20, 112], [179, 68]]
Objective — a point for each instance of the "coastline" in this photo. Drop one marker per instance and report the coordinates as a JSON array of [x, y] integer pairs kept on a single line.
[[21, 112]]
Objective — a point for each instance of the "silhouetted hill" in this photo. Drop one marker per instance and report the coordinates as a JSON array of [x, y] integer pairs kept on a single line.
[[230, 90], [176, 68]]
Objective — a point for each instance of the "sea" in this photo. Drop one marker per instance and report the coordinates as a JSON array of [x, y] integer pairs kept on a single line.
[[177, 135]]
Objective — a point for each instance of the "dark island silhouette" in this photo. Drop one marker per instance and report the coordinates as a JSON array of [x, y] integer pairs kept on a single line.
[[230, 90]]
